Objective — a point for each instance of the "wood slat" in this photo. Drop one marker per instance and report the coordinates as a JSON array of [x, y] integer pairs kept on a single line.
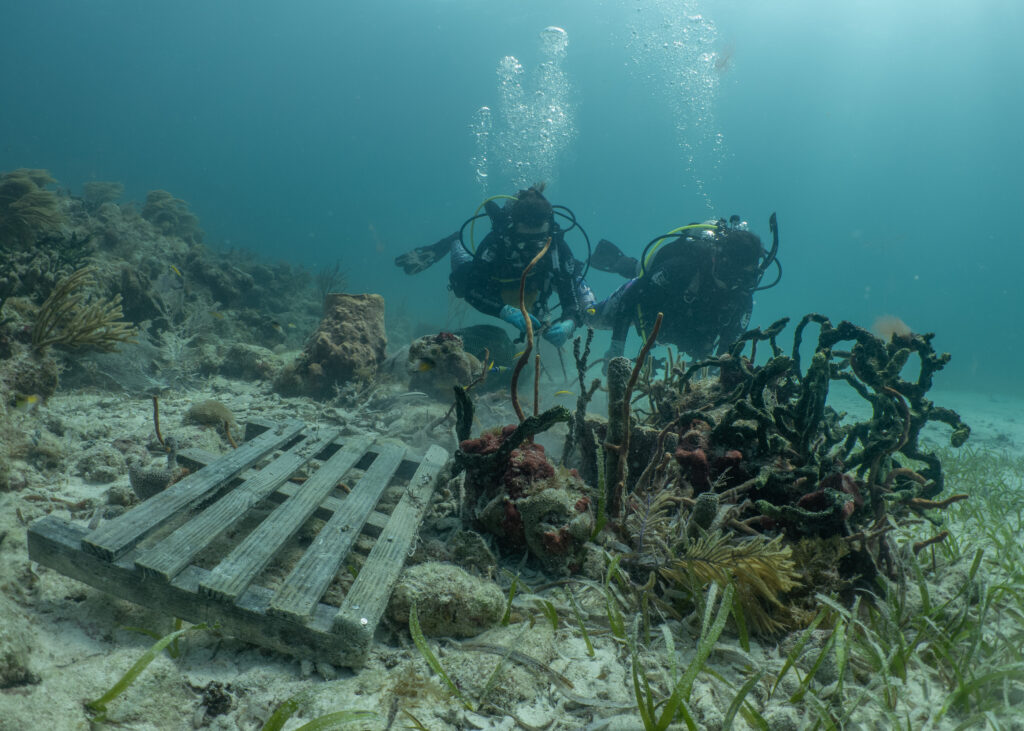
[[230, 578], [309, 579], [196, 458], [114, 538], [368, 596], [292, 619], [173, 553], [55, 543]]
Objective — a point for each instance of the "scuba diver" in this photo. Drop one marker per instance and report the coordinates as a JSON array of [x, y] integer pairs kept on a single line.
[[702, 277], [488, 276]]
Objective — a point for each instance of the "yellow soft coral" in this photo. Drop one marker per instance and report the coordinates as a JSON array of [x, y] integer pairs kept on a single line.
[[67, 318]]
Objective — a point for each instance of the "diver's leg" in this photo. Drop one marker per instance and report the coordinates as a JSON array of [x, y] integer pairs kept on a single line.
[[610, 310]]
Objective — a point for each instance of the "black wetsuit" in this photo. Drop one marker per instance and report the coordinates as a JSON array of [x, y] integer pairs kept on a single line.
[[489, 280], [699, 316]]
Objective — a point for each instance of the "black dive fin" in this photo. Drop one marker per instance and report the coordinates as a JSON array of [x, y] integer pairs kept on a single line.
[[607, 257], [424, 257], [498, 215]]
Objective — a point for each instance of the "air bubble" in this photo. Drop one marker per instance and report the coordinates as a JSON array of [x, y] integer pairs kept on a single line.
[[554, 41], [673, 46], [532, 123]]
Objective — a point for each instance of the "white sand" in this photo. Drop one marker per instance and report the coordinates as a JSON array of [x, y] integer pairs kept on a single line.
[[78, 644]]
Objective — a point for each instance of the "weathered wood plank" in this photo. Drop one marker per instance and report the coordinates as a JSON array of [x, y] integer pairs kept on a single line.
[[195, 458], [309, 579], [230, 578], [367, 598], [173, 553], [56, 544], [114, 538]]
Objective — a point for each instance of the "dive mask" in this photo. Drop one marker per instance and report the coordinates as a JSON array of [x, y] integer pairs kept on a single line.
[[528, 244]]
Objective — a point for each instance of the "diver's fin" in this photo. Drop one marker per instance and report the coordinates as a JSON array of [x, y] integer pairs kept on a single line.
[[497, 214], [607, 257], [424, 257]]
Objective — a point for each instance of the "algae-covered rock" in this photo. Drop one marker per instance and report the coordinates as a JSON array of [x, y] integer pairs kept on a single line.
[[526, 502], [101, 464], [15, 647], [139, 299], [556, 524], [46, 451], [32, 374], [438, 362], [470, 551], [250, 362], [449, 601]]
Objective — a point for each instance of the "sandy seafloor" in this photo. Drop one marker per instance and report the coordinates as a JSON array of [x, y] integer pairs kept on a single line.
[[77, 644]]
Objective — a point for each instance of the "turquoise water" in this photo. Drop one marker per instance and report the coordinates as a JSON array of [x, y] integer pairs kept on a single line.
[[885, 135]]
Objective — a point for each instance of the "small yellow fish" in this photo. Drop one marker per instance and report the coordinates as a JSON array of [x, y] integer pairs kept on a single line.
[[424, 366], [276, 326], [218, 314], [591, 311], [177, 271], [27, 403], [563, 393], [291, 325], [519, 354]]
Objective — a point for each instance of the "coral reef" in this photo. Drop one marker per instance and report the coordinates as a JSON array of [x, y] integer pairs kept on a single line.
[[438, 362], [349, 344], [96, 193], [30, 374], [27, 209], [726, 478], [192, 305], [780, 463], [172, 217], [229, 285]]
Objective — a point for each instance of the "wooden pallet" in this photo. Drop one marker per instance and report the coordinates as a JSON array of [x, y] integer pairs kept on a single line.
[[197, 549]]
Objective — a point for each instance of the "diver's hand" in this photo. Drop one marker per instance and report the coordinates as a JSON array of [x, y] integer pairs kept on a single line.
[[560, 332], [513, 316]]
